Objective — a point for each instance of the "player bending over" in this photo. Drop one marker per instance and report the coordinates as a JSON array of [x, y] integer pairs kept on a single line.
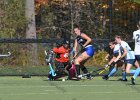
[[114, 61], [129, 59], [61, 59]]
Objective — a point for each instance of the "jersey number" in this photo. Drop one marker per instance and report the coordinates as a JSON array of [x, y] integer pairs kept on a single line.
[[138, 36]]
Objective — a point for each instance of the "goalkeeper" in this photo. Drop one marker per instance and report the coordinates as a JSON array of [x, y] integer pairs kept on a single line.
[[115, 62], [62, 59]]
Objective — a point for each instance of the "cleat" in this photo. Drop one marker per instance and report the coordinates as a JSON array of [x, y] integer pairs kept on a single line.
[[122, 79], [105, 77], [89, 76], [85, 76], [80, 76], [133, 81], [74, 78]]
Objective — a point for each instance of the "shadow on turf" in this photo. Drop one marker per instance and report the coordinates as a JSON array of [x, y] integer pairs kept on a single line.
[[118, 80], [124, 82], [132, 85], [60, 79], [115, 80]]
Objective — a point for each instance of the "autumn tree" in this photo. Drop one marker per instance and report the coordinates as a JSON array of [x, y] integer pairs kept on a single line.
[[31, 31]]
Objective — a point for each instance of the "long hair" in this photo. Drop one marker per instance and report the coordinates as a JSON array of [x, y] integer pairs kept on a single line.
[[77, 26], [112, 41], [118, 36], [138, 24]]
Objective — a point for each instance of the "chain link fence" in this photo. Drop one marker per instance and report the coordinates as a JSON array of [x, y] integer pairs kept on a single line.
[[100, 19]]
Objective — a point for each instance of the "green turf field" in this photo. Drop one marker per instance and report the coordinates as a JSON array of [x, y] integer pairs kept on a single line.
[[38, 88]]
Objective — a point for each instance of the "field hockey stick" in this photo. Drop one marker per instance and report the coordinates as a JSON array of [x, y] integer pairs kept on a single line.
[[105, 68], [5, 55], [52, 72], [49, 61], [100, 71], [50, 56], [78, 53], [96, 72]]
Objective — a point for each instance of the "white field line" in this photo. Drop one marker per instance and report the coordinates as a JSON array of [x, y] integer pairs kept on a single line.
[[51, 90], [15, 94], [45, 93], [57, 85], [106, 92]]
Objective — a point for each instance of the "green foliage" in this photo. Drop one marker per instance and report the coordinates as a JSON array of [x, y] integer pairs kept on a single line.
[[98, 59], [20, 55], [13, 18], [137, 1], [92, 15], [20, 70], [96, 17]]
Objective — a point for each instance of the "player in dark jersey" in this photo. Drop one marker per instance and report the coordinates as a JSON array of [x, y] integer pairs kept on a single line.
[[85, 42]]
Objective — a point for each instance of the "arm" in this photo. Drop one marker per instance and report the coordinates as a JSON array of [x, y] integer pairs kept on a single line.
[[112, 60], [106, 57], [124, 54], [133, 35], [55, 50], [118, 57], [75, 46], [87, 38]]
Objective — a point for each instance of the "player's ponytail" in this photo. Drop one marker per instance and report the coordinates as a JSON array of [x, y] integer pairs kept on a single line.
[[138, 24]]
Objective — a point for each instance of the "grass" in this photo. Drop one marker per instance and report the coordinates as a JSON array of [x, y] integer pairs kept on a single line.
[[35, 70], [38, 88], [137, 1]]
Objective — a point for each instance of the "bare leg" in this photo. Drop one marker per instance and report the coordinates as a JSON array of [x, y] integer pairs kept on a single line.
[[80, 59]]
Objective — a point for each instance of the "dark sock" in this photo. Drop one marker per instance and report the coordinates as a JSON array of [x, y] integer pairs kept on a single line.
[[77, 69], [68, 67], [84, 69]]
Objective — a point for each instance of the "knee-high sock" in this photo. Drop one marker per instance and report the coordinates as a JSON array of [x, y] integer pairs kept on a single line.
[[84, 69], [132, 71], [112, 71], [77, 69], [123, 75], [137, 72]]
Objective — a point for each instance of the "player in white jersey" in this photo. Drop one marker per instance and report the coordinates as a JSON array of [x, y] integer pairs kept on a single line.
[[136, 37], [129, 59], [114, 61]]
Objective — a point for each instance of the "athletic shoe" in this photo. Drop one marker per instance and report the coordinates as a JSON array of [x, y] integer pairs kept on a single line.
[[105, 77], [75, 78], [89, 76], [122, 79], [133, 81], [50, 77], [80, 76]]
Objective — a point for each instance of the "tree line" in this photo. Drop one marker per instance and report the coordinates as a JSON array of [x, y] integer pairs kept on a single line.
[[39, 19]]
